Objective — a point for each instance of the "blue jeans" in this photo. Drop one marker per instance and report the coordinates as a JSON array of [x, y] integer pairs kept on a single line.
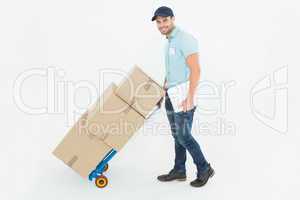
[[181, 126]]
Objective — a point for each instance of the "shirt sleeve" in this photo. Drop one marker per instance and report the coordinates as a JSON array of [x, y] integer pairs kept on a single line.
[[189, 45]]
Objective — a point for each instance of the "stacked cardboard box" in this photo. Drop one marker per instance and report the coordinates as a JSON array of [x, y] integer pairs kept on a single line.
[[110, 122]]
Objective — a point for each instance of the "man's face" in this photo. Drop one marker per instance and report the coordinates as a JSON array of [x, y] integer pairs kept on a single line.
[[165, 24]]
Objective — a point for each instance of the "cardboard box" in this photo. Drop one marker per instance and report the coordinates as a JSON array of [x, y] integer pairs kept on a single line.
[[109, 123], [81, 151], [112, 120], [140, 91]]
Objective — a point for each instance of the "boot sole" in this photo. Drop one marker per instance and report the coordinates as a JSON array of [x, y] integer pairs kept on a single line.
[[176, 179]]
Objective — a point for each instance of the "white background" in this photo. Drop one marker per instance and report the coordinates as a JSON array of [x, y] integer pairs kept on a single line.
[[240, 41]]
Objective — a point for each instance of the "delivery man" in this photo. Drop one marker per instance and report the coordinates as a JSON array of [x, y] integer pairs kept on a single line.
[[182, 65]]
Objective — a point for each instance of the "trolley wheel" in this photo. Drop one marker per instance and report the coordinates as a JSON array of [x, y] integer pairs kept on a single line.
[[101, 181], [105, 168]]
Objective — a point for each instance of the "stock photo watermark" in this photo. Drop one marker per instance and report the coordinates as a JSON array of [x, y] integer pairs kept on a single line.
[[275, 86], [61, 99]]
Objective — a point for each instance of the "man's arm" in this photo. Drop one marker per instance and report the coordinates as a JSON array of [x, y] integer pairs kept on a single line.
[[189, 49], [194, 66], [165, 84], [193, 63]]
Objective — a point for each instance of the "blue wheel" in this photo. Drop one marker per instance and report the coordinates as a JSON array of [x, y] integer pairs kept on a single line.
[[101, 181]]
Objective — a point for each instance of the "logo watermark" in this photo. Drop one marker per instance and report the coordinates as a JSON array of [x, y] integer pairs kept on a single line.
[[274, 86]]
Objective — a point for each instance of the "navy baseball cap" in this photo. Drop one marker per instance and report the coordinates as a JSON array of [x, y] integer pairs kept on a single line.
[[163, 11]]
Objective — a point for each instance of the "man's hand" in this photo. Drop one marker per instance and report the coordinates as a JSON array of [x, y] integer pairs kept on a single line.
[[187, 104], [164, 94], [160, 102], [165, 87]]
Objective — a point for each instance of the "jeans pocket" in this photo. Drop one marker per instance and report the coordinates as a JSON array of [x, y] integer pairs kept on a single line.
[[192, 110], [189, 113]]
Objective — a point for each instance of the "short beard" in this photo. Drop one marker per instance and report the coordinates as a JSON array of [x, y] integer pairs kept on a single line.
[[169, 32]]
